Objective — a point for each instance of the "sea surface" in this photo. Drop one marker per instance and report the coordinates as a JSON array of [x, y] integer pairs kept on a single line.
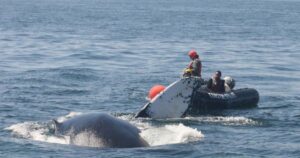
[[62, 58]]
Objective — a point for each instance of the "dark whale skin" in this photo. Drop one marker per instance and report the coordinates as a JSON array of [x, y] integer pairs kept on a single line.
[[113, 132]]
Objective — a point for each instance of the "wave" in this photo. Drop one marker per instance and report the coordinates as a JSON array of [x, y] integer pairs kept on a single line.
[[225, 120], [36, 131], [171, 134]]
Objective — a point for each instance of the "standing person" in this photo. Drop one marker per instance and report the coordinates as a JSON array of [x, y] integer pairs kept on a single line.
[[216, 84], [195, 66]]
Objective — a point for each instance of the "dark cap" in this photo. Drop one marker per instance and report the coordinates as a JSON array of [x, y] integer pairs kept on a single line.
[[219, 73]]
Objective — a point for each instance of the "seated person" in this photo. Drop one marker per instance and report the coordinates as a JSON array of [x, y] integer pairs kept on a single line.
[[216, 84]]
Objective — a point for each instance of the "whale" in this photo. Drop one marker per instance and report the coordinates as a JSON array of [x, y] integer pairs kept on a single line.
[[109, 131]]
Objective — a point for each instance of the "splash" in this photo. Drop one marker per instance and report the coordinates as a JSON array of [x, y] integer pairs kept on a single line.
[[44, 131], [38, 132], [226, 120], [171, 134], [154, 135], [165, 134]]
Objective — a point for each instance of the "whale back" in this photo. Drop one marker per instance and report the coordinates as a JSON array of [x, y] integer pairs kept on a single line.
[[113, 132]]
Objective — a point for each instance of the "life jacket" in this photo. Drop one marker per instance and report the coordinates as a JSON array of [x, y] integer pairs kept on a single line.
[[196, 67], [216, 86]]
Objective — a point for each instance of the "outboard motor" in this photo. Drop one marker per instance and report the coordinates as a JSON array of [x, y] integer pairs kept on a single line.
[[229, 83]]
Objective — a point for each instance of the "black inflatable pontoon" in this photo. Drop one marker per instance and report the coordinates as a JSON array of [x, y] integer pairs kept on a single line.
[[203, 102], [186, 96]]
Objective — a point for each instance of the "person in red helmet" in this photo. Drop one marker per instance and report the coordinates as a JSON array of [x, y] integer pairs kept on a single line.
[[195, 66]]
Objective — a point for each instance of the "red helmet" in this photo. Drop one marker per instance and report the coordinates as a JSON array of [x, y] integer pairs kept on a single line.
[[193, 54]]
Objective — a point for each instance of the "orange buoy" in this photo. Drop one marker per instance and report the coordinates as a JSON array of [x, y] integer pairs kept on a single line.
[[155, 90]]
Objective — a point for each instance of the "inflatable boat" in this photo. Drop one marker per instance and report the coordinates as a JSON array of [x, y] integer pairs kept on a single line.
[[189, 96]]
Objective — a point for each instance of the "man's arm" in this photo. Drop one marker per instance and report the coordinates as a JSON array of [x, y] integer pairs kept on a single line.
[[209, 84]]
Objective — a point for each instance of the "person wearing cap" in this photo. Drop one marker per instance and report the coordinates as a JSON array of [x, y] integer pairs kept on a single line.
[[195, 66], [216, 84]]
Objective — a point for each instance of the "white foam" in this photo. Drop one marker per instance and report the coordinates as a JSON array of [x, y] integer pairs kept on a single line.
[[41, 132], [170, 134], [166, 134], [227, 120], [154, 135], [35, 131]]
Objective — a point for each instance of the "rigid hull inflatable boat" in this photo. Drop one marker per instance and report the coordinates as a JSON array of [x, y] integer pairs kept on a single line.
[[189, 96]]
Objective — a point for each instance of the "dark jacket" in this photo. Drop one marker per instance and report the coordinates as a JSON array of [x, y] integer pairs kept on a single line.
[[216, 86]]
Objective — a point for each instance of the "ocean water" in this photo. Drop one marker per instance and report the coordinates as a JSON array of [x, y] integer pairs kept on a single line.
[[62, 58]]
